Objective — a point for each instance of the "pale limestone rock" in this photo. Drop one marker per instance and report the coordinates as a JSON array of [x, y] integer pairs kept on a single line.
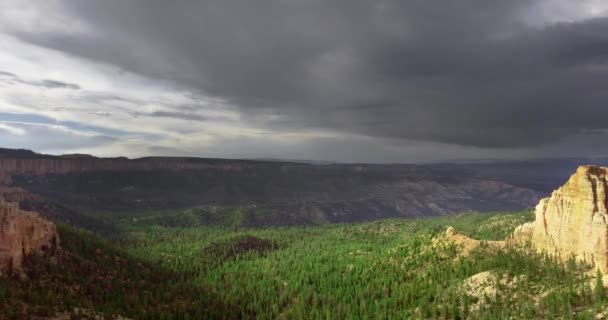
[[450, 232], [573, 221], [466, 244], [522, 234], [481, 286], [486, 286]]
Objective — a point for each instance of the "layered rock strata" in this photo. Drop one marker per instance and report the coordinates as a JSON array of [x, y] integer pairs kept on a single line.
[[10, 167]]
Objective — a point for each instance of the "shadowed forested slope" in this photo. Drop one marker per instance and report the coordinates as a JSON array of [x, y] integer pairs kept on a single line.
[[89, 276]]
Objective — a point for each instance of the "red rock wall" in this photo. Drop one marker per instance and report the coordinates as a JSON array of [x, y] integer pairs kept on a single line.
[[9, 167]]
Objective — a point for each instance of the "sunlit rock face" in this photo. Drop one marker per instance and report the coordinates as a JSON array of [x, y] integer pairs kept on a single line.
[[23, 233], [573, 220]]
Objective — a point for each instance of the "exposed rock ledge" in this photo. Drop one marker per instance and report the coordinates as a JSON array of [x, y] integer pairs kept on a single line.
[[23, 233], [573, 221], [466, 244]]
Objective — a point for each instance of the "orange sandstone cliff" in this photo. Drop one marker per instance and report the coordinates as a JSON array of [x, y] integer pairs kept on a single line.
[[23, 233]]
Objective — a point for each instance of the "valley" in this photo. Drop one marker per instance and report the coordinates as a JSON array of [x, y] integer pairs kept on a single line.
[[93, 192], [225, 239], [393, 268], [303, 160]]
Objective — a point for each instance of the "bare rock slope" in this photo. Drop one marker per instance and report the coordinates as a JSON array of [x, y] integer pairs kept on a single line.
[[23, 233], [573, 221]]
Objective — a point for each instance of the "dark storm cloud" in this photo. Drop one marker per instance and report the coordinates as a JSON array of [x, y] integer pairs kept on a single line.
[[470, 72]]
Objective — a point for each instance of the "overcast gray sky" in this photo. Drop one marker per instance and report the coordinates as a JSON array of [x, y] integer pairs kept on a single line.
[[342, 80]]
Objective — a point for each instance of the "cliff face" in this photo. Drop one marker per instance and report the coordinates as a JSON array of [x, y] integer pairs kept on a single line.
[[23, 233], [574, 219], [10, 167]]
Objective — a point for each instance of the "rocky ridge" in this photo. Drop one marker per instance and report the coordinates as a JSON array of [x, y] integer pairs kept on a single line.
[[25, 162], [466, 244], [10, 167]]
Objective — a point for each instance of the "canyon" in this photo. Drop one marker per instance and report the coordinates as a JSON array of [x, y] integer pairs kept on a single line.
[[163, 207], [260, 192], [85, 191]]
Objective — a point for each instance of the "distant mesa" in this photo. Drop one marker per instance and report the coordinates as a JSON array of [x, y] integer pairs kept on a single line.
[[573, 221], [25, 162]]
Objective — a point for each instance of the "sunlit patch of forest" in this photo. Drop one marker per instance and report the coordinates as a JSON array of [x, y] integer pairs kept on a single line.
[[389, 269]]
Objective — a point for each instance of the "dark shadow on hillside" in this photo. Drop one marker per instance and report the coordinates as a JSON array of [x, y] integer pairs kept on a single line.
[[91, 275]]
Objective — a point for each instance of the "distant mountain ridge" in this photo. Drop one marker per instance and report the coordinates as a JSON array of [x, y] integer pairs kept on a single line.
[[22, 154], [255, 193], [26, 162]]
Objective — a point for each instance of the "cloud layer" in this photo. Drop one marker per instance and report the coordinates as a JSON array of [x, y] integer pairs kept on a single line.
[[420, 79]]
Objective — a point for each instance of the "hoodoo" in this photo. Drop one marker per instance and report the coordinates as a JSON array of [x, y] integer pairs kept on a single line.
[[23, 233], [574, 219]]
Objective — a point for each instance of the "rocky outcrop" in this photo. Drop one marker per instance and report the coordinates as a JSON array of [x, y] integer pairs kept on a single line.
[[522, 234], [486, 285], [573, 221], [465, 244], [23, 233]]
